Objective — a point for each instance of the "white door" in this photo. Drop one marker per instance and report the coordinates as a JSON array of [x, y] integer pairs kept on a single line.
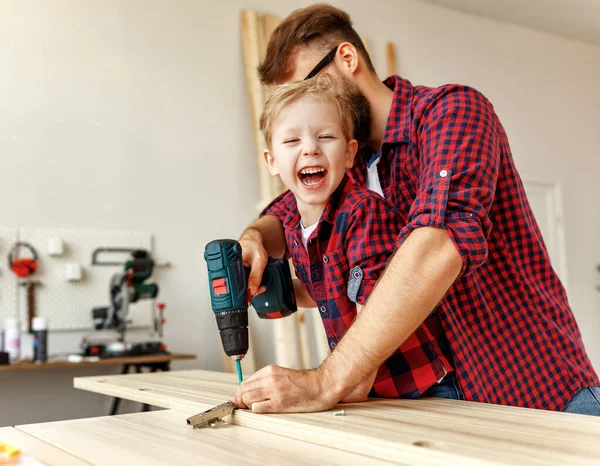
[[546, 202]]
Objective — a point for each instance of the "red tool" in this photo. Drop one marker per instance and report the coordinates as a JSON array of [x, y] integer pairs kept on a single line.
[[23, 268]]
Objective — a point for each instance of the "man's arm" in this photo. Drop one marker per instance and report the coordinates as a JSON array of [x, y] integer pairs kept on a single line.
[[416, 279]]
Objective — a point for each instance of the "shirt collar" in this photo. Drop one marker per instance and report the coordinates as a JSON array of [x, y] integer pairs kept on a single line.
[[399, 120], [292, 220]]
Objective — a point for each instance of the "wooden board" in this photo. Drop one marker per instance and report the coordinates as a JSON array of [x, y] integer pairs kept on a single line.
[[37, 449], [160, 438], [390, 51], [256, 29], [61, 364], [428, 431]]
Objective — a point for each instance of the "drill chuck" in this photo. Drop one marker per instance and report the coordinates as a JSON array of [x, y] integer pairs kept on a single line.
[[233, 329]]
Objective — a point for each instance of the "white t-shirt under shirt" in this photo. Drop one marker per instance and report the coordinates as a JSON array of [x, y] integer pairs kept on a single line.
[[373, 176], [306, 232]]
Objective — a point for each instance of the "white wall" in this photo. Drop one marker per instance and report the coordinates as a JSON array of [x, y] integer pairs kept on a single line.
[[134, 115]]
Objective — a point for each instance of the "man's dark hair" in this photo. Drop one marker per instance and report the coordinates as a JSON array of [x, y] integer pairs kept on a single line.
[[321, 26]]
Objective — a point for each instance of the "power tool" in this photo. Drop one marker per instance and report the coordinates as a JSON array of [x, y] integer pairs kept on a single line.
[[228, 283], [125, 288]]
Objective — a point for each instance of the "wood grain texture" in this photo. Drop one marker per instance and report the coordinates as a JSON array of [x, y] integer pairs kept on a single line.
[[432, 430], [30, 366], [38, 449], [160, 438], [390, 52]]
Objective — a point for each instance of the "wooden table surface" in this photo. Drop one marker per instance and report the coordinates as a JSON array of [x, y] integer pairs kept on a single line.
[[160, 438], [37, 449], [58, 364], [426, 431]]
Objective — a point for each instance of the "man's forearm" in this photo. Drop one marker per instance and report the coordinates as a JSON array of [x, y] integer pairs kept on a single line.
[[416, 279], [270, 234]]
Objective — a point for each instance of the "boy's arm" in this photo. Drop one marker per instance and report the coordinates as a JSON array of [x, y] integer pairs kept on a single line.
[[264, 238], [261, 239], [303, 298]]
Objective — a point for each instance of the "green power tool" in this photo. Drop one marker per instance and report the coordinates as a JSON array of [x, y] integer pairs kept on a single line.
[[228, 283]]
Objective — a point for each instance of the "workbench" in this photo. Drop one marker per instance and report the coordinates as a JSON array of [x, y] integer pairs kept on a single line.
[[54, 363], [153, 362], [420, 432]]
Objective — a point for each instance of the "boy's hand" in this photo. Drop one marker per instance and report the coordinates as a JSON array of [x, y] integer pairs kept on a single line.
[[254, 255]]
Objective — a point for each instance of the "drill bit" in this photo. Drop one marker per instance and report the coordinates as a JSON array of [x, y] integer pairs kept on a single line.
[[238, 366]]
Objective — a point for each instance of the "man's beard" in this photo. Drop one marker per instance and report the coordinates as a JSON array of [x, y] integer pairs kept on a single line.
[[361, 110]]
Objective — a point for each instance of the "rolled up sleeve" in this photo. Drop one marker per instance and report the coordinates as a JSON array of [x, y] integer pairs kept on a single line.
[[459, 159]]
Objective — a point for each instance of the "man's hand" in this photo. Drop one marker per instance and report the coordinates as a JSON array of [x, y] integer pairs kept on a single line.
[[275, 389]]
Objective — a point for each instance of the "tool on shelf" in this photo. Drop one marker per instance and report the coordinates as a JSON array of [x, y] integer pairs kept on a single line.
[[24, 268], [125, 288]]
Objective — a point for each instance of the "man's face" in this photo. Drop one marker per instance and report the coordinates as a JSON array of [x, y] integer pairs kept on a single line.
[[306, 59], [310, 151]]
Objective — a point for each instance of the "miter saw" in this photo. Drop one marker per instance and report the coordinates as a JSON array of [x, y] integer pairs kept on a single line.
[[125, 288]]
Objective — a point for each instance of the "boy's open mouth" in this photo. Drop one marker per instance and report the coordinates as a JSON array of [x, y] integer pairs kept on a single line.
[[312, 176]]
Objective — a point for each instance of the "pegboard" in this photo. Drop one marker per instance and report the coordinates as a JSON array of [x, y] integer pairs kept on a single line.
[[8, 284], [66, 304]]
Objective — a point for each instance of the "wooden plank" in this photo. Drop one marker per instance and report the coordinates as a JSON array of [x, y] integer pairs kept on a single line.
[[250, 28], [367, 45], [160, 438], [391, 58], [61, 364], [37, 449], [322, 348], [434, 428], [256, 30], [303, 338]]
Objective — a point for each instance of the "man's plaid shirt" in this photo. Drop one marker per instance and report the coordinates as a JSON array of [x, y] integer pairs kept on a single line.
[[446, 163]]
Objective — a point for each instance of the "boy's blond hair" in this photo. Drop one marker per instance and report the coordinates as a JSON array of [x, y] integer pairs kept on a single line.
[[322, 87]]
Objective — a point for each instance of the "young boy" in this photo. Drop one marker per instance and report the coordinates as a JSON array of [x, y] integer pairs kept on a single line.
[[338, 234]]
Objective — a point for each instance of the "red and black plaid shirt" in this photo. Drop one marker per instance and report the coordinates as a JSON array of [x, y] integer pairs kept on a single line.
[[344, 257], [446, 163]]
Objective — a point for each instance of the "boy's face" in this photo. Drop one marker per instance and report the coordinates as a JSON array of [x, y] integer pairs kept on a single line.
[[310, 152]]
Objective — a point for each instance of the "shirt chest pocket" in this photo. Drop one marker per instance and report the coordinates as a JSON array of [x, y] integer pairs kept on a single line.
[[335, 271]]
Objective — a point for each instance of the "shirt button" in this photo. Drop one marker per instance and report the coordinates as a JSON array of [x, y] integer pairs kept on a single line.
[[356, 275], [325, 259], [444, 173], [323, 309], [332, 344]]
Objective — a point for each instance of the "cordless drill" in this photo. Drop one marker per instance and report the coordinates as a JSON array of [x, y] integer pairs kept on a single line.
[[228, 283]]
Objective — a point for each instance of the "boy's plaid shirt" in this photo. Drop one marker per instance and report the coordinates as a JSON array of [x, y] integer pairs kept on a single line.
[[345, 256], [446, 163]]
